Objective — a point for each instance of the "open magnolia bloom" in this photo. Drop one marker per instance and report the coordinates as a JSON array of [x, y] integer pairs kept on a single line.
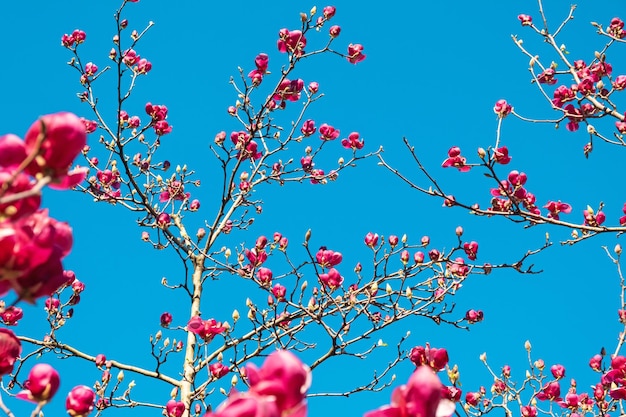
[[420, 397], [277, 389]]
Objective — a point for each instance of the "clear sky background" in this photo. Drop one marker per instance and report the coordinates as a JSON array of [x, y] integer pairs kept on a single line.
[[432, 74]]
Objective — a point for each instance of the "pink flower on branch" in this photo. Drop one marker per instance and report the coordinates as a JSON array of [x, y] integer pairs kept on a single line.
[[471, 250], [501, 155], [42, 383], [592, 218], [435, 358], [502, 108], [291, 41], [355, 53], [206, 329], [554, 208], [308, 128], [80, 401], [616, 28], [332, 279], [547, 77], [10, 350], [174, 408], [353, 142], [327, 258], [455, 160], [420, 397], [56, 139], [525, 19], [327, 132]]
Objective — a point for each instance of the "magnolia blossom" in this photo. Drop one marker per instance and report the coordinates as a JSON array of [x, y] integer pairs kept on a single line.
[[80, 401], [42, 383], [420, 397], [435, 358], [65, 137], [10, 350], [174, 408]]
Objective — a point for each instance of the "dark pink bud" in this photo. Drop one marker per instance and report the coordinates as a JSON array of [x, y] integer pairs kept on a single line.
[[166, 319], [100, 360], [558, 371], [80, 401]]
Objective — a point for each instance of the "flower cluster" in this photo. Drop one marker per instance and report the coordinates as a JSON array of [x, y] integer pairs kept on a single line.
[[32, 244]]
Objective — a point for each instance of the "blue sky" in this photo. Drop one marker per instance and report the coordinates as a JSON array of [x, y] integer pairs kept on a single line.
[[432, 74]]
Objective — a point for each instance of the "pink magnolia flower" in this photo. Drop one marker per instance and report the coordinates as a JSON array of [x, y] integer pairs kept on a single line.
[[558, 371], [593, 219], [501, 155], [206, 329], [328, 258], [11, 315], [329, 12], [313, 87], [455, 160], [289, 90], [218, 370], [264, 275], [284, 379], [166, 319], [528, 411], [353, 142], [471, 249], [31, 250], [14, 184], [91, 69], [12, 151], [554, 208], [328, 132], [80, 401], [130, 57], [100, 360], [291, 41], [143, 66], [334, 31], [64, 139], [616, 28], [502, 108], [474, 316], [547, 77], [420, 397], [174, 408], [308, 128], [355, 53], [435, 358], [279, 291], [393, 240], [249, 404], [551, 392], [562, 94], [42, 383], [10, 350], [371, 239], [256, 256], [156, 111], [332, 279], [525, 19]]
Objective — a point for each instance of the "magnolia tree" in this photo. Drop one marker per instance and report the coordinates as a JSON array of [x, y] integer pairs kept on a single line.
[[302, 308]]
